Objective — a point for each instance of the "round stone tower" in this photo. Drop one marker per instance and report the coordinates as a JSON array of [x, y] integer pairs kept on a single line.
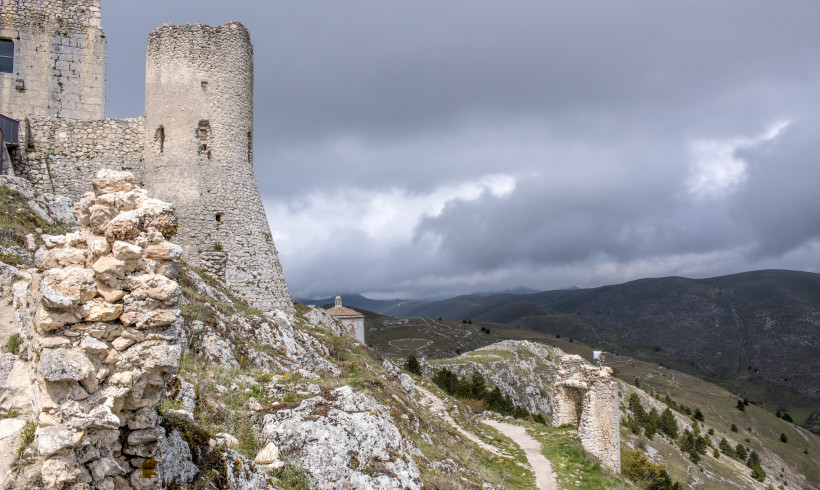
[[199, 155]]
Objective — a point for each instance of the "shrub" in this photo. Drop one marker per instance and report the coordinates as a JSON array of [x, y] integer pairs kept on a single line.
[[741, 406], [783, 438], [734, 428], [787, 417], [412, 365], [14, 343], [643, 473]]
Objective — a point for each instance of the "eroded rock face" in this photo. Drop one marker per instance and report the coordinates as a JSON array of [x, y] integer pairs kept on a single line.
[[102, 324], [587, 397], [347, 439]]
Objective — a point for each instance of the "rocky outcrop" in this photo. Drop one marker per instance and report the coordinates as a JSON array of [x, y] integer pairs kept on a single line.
[[346, 439], [523, 370], [101, 323], [586, 396]]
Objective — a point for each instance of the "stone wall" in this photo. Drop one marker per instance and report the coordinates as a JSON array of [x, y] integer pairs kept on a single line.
[[585, 396], [60, 155], [198, 155], [59, 59], [101, 323]]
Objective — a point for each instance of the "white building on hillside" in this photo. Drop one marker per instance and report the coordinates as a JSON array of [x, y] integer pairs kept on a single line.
[[352, 320]]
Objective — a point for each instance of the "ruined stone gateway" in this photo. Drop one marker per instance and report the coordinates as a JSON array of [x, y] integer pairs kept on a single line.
[[585, 396], [192, 148]]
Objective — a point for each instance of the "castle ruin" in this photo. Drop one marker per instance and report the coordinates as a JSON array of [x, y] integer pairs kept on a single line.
[[586, 397], [193, 147]]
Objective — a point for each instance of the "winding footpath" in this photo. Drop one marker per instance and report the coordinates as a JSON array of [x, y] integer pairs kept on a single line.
[[436, 406], [544, 477]]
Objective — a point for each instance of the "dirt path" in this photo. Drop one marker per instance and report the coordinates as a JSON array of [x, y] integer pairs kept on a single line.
[[544, 477], [436, 405]]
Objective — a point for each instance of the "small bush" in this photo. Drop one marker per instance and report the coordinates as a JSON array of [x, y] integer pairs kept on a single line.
[[645, 474], [783, 438], [14, 343]]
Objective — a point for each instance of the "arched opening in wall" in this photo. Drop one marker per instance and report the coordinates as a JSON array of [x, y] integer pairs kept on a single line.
[[203, 131], [218, 217], [250, 147], [159, 140]]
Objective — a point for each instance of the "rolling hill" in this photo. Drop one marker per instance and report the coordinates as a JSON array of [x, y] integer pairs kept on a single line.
[[756, 333]]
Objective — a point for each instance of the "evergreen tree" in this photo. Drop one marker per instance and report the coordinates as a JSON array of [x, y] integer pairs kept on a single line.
[[668, 424], [741, 406], [725, 448], [478, 386], [783, 438], [698, 415], [741, 452], [787, 417], [412, 365]]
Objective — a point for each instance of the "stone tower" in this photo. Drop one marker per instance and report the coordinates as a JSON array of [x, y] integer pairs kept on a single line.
[[58, 59], [199, 155]]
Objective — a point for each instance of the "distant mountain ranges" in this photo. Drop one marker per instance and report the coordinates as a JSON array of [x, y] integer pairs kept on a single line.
[[758, 331]]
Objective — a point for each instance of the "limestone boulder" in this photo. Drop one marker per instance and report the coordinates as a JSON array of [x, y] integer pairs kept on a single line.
[[63, 289], [351, 424], [109, 270], [64, 364], [56, 438], [126, 251], [107, 181]]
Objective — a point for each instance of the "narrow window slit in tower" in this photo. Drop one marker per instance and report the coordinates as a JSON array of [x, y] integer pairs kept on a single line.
[[159, 140], [218, 217], [202, 132], [204, 84], [250, 147]]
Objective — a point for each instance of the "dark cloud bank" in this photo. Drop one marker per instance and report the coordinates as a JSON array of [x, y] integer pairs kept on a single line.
[[432, 148]]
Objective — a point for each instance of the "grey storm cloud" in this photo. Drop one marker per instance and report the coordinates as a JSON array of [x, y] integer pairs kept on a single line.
[[427, 147]]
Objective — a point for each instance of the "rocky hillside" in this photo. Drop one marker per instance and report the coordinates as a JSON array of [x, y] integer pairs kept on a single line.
[[526, 372], [123, 367], [757, 331]]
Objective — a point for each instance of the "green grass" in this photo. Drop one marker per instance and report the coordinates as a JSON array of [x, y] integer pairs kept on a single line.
[[573, 468], [14, 343], [18, 220]]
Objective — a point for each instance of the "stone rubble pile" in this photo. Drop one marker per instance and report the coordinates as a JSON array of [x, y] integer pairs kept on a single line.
[[102, 324]]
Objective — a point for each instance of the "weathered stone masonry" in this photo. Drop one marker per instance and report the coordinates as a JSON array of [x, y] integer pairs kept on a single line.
[[585, 396], [59, 59], [61, 154], [193, 147]]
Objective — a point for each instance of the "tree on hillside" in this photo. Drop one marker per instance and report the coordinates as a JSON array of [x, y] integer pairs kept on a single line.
[[726, 448], [478, 386], [412, 365], [669, 425], [741, 406], [741, 452]]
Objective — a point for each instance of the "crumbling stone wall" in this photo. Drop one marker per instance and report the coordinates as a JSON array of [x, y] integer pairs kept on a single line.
[[102, 324], [59, 59], [58, 155], [585, 396]]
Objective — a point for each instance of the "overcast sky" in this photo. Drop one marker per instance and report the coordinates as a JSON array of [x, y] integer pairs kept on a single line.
[[427, 148]]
